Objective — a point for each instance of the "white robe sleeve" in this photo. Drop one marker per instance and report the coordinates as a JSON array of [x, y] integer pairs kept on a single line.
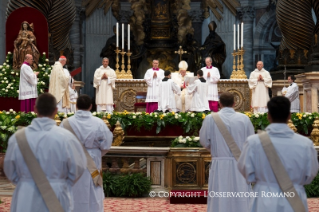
[[191, 89], [267, 80], [245, 163], [312, 165], [149, 77], [253, 81], [214, 76], [111, 79], [292, 93], [97, 78], [204, 133], [29, 76], [176, 89], [105, 139], [9, 161]]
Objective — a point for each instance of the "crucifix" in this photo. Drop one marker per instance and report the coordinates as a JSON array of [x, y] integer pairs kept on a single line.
[[180, 52]]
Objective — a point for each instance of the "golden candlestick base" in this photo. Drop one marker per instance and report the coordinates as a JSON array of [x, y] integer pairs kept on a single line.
[[241, 74], [117, 66], [234, 73], [128, 74], [122, 72]]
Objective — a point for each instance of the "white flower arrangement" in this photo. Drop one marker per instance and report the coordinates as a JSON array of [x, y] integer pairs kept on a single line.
[[134, 117], [9, 52], [188, 141]]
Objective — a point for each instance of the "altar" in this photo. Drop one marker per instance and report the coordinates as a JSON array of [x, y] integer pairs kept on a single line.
[[126, 89]]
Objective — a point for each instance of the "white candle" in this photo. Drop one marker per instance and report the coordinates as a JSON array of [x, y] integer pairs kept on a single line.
[[128, 37], [242, 34], [238, 47], [117, 34], [234, 37], [122, 36]]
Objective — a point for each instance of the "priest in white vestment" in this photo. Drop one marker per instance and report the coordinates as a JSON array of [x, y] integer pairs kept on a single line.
[[73, 97], [183, 101], [212, 76], [28, 91], [59, 154], [167, 91], [59, 85], [296, 152], [97, 139], [223, 173], [259, 82], [199, 91], [153, 78], [104, 82], [292, 93]]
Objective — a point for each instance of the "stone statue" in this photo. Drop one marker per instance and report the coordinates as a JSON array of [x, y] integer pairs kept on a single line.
[[193, 56], [109, 49], [25, 44], [215, 48]]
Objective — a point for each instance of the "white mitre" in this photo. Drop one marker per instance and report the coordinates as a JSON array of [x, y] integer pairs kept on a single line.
[[183, 65]]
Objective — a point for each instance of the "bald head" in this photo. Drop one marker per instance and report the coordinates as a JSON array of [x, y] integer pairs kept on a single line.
[[28, 58], [260, 65]]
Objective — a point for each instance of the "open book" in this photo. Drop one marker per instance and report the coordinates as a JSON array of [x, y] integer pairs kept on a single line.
[[190, 79]]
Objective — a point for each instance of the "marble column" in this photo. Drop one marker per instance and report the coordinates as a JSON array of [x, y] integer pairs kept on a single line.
[[3, 7], [75, 38], [247, 15]]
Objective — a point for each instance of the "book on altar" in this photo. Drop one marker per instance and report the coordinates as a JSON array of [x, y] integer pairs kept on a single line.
[[190, 79]]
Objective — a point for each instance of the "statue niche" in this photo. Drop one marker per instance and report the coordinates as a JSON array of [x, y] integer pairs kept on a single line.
[[109, 49], [215, 48], [25, 44]]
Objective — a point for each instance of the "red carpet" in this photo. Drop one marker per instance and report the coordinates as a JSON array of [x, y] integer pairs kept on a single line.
[[150, 204]]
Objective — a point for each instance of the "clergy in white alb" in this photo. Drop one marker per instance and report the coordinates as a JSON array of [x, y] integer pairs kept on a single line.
[[212, 76], [223, 173], [292, 93], [259, 82], [73, 97], [296, 152], [199, 91], [97, 139], [59, 85], [104, 82], [153, 78], [167, 91], [184, 100], [28, 91], [59, 154]]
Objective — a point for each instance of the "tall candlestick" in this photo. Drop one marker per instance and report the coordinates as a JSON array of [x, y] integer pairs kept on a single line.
[[122, 36], [117, 34], [242, 34], [238, 47], [234, 37], [128, 37]]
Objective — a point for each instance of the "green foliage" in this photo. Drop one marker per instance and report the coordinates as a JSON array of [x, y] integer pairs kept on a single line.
[[128, 185], [312, 189], [186, 142], [10, 78]]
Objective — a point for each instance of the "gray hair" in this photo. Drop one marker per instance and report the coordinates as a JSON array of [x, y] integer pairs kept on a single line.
[[156, 60], [105, 58], [60, 59], [209, 59]]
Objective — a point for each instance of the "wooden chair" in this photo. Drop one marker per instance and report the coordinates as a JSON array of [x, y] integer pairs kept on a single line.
[[139, 104]]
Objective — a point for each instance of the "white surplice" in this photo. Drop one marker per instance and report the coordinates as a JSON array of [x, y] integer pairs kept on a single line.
[[298, 156], [167, 91], [183, 101], [211, 82], [153, 84], [104, 89], [97, 139], [223, 174], [260, 94], [28, 83], [73, 98], [199, 91], [59, 105], [60, 156], [293, 96]]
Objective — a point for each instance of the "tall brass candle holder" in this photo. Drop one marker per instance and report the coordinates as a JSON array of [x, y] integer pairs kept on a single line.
[[241, 74], [128, 74], [234, 73], [123, 65], [117, 66]]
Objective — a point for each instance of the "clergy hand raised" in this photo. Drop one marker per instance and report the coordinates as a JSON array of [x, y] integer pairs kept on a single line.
[[208, 74], [260, 78], [36, 73], [154, 75], [104, 76]]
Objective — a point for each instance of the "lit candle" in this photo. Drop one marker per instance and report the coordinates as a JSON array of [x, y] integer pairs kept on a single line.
[[238, 47], [117, 34], [128, 37], [242, 34], [234, 37], [123, 36]]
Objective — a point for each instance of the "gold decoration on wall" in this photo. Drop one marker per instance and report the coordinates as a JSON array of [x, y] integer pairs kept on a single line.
[[118, 135], [314, 136], [240, 73]]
